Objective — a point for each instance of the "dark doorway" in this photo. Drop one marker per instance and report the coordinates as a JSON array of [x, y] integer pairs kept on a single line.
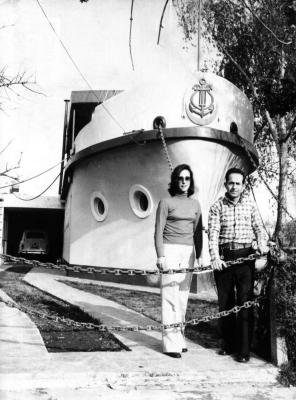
[[17, 220]]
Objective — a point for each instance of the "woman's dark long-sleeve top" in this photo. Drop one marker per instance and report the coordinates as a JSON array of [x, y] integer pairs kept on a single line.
[[178, 221]]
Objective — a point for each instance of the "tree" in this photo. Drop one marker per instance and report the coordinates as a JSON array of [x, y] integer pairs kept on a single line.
[[8, 173], [256, 40], [11, 85]]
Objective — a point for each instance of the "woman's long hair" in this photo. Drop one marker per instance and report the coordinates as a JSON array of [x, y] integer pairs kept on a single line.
[[174, 184]]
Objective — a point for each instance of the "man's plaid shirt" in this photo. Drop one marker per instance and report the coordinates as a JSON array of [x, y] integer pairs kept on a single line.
[[229, 222]]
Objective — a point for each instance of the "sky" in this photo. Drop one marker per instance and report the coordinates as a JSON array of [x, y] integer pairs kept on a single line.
[[96, 36]]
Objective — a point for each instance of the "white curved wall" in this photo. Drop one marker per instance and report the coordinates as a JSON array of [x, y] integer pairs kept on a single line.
[[123, 239], [136, 109]]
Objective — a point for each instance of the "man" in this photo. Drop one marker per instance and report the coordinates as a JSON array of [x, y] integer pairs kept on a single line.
[[233, 223]]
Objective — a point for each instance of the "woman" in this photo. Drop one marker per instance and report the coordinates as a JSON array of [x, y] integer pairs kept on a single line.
[[178, 241]]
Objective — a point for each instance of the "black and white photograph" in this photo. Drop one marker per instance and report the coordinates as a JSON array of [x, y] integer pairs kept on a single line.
[[148, 199]]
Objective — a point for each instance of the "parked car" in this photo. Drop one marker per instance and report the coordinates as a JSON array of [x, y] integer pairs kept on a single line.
[[34, 242]]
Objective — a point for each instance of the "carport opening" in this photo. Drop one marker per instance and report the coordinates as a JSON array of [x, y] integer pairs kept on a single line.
[[18, 220]]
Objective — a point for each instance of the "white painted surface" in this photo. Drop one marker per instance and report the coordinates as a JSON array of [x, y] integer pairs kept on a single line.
[[123, 239], [165, 95]]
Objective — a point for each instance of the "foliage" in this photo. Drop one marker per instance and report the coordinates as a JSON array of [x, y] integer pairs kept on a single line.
[[285, 300], [237, 29], [287, 374], [289, 234], [257, 41]]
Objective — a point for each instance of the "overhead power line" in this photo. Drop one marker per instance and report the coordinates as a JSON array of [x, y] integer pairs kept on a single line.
[[32, 177], [77, 68], [40, 194]]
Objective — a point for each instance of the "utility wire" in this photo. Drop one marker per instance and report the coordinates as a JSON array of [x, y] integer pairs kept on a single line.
[[32, 177], [40, 194], [77, 68]]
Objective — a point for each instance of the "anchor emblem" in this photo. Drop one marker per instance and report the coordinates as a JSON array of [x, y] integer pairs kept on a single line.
[[200, 107]]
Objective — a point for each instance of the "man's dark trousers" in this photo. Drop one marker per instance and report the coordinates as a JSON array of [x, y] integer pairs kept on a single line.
[[235, 286]]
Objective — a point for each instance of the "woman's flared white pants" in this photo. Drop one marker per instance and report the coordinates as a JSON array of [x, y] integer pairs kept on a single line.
[[174, 294]]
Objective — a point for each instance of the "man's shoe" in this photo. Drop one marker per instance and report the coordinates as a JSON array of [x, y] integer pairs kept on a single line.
[[243, 359], [173, 354], [184, 350]]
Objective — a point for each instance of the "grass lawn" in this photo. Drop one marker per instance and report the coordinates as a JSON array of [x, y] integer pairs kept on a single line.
[[57, 336], [149, 304]]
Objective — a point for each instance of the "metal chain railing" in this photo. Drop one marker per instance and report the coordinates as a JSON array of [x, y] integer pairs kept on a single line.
[[120, 271], [135, 328], [129, 328], [165, 148]]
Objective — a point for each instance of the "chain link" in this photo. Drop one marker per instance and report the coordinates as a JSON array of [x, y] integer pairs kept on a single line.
[[134, 328], [274, 253], [130, 328], [165, 148], [119, 271]]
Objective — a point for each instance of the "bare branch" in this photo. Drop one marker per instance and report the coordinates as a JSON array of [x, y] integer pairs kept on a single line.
[[8, 170], [10, 85], [265, 26], [261, 129], [161, 19], [289, 176], [6, 174], [273, 130], [20, 159], [5, 147], [130, 34], [6, 26], [32, 90], [269, 170], [241, 70], [291, 130]]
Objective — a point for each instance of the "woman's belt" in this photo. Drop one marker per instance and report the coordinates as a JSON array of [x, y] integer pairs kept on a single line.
[[235, 246]]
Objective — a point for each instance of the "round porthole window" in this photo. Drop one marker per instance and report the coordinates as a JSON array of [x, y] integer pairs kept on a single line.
[[141, 201], [99, 206]]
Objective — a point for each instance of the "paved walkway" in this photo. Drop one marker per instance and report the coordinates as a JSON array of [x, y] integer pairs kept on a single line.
[[27, 371]]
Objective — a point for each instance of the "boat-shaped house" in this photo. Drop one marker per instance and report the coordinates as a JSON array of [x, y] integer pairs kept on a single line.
[[118, 147]]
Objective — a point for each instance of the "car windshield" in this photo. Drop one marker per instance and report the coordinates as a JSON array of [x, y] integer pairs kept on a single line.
[[35, 235]]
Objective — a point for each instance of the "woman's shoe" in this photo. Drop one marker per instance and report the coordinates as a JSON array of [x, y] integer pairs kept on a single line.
[[243, 359], [225, 351], [173, 354]]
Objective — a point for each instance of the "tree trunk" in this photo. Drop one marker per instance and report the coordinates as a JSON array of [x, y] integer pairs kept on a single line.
[[283, 184]]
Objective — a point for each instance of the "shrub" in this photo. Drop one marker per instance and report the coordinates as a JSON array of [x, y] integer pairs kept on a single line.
[[285, 307], [289, 234]]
